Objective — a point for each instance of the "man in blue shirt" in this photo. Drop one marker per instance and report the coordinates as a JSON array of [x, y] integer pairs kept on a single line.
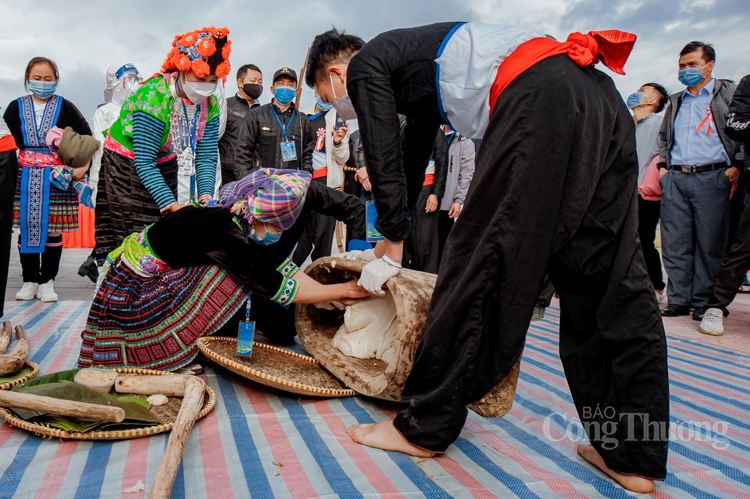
[[698, 176]]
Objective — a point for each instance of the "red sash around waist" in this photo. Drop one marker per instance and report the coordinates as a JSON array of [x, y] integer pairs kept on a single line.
[[322, 172]]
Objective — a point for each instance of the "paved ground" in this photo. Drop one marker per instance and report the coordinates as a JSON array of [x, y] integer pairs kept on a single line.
[[70, 286]]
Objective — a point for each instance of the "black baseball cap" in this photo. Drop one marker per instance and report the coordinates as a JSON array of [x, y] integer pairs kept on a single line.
[[285, 71]]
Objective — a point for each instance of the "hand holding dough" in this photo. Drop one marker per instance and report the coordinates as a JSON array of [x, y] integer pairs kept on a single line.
[[369, 329]]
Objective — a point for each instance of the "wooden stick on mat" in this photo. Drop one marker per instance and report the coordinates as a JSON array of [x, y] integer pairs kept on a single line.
[[5, 336], [171, 386], [191, 406], [70, 408], [14, 362]]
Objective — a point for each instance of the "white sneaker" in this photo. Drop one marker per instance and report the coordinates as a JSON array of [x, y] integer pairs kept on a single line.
[[28, 291], [712, 322], [47, 292]]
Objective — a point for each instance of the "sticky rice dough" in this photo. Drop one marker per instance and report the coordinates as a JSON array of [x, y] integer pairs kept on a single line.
[[368, 330]]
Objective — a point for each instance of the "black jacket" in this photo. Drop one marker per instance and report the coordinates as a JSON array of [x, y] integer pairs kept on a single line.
[[723, 90], [207, 236], [260, 137], [237, 109], [395, 73], [738, 116]]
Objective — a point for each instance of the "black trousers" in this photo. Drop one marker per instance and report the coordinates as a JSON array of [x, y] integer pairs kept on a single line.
[[445, 225], [545, 295], [550, 193], [421, 248], [734, 266], [316, 239], [648, 219], [8, 178]]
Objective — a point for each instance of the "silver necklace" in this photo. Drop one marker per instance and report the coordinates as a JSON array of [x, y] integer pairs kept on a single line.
[[180, 127]]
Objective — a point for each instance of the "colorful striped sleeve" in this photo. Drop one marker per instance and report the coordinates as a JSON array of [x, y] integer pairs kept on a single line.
[[147, 133], [288, 268], [206, 158], [286, 293]]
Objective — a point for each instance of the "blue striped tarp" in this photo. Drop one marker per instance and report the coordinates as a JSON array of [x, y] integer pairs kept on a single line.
[[262, 443]]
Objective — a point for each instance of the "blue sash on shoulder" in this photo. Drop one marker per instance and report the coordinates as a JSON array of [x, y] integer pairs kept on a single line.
[[35, 182]]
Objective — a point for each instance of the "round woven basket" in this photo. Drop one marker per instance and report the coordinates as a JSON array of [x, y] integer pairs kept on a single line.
[[412, 292], [167, 413], [275, 367], [34, 371]]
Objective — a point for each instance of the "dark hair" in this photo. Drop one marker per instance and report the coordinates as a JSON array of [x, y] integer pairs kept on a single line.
[[663, 95], [328, 48], [245, 68], [39, 60], [708, 50]]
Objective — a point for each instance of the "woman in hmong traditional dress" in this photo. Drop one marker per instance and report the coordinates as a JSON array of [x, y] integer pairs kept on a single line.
[[186, 275], [42, 211], [169, 127]]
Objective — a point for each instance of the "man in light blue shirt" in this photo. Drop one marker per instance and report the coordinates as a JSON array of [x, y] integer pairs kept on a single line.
[[698, 177]]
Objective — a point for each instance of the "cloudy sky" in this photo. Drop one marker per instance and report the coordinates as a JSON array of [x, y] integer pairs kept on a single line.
[[84, 37]]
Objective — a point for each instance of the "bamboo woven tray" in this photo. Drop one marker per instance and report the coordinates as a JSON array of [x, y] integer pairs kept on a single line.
[[34, 371], [275, 367], [167, 413]]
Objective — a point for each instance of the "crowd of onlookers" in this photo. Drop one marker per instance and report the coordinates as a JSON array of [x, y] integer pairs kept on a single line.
[[692, 181], [690, 145]]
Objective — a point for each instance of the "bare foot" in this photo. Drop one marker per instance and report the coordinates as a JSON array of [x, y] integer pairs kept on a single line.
[[630, 482], [385, 436]]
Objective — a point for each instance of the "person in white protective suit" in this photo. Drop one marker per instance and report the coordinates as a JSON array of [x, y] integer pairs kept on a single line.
[[122, 82]]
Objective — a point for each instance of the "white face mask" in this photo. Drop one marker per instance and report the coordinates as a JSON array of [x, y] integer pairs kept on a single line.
[[132, 86], [197, 91], [343, 105]]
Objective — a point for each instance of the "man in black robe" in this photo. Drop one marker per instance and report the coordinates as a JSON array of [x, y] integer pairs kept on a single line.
[[553, 192]]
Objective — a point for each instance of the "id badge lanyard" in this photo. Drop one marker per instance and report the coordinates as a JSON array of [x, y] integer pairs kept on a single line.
[[288, 148], [246, 333], [193, 142]]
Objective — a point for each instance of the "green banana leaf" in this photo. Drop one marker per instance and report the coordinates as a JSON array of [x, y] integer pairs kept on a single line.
[[141, 400], [136, 416], [46, 379]]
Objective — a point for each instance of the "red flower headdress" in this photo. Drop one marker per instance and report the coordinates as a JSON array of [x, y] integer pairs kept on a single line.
[[199, 50]]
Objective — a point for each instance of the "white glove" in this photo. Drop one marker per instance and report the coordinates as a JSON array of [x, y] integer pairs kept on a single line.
[[361, 255], [375, 273]]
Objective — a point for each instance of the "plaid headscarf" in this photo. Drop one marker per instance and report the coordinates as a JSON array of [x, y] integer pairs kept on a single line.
[[275, 197]]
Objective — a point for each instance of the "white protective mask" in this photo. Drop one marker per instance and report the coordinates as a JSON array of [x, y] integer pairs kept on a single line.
[[343, 105], [197, 91]]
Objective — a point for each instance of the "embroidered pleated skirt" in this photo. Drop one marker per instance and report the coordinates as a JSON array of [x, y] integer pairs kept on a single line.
[[146, 314]]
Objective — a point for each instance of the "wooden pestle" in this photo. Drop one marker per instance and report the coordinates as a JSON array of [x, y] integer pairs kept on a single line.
[[51, 405], [191, 406], [171, 386]]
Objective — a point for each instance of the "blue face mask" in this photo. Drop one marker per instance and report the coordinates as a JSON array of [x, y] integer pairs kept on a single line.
[[284, 95], [690, 77], [268, 238], [42, 89], [634, 100], [323, 105]]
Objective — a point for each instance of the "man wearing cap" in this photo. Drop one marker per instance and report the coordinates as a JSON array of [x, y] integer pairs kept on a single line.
[[276, 135]]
